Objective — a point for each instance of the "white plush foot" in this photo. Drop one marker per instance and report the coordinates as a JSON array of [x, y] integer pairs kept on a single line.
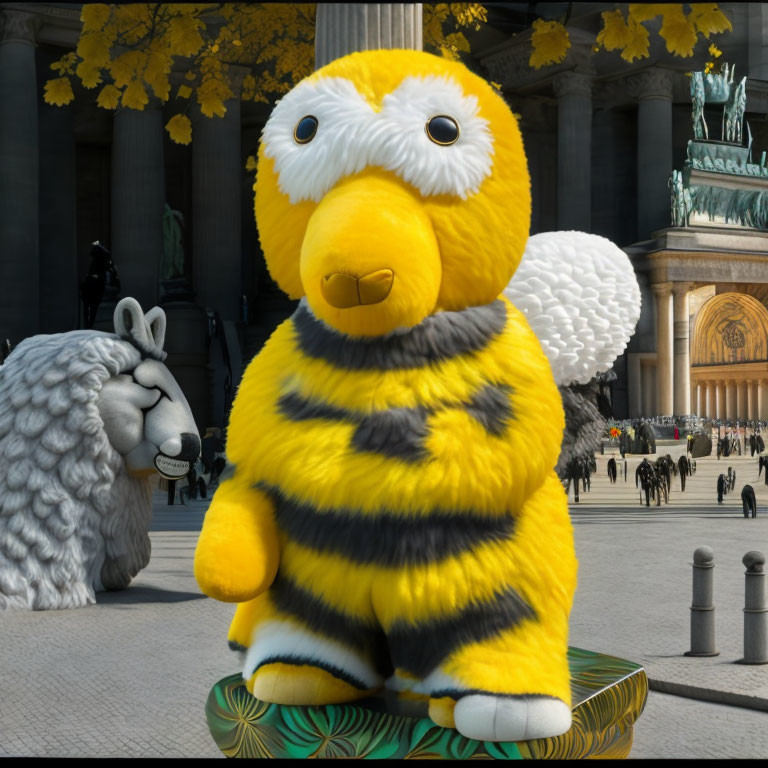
[[501, 718]]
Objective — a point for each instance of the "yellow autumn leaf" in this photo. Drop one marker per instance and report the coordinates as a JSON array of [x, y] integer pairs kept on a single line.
[[58, 91], [248, 87], [93, 48], [124, 68], [639, 45], [94, 16], [179, 129], [550, 42], [184, 92], [89, 75], [211, 105], [135, 96], [678, 32], [615, 32], [709, 19], [708, 67], [714, 51], [647, 11], [185, 37], [109, 97], [250, 163]]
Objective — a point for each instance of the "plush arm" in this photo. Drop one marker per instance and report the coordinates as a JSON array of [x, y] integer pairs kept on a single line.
[[237, 553]]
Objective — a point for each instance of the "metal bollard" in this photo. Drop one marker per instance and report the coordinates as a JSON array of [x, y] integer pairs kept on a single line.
[[702, 610], [755, 612], [625, 471]]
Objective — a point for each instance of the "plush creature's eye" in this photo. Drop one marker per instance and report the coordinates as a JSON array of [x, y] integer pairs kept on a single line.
[[305, 129], [442, 129]]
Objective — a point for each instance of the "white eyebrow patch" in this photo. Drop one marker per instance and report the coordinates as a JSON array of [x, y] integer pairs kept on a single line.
[[351, 136], [456, 169], [339, 148]]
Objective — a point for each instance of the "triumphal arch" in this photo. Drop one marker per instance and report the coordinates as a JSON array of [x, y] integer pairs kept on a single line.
[[705, 278]]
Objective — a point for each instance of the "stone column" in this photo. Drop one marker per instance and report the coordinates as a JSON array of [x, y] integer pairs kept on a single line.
[[731, 404], [653, 90], [574, 150], [635, 386], [138, 197], [752, 398], [701, 398], [217, 169], [649, 395], [762, 399], [341, 28], [19, 99], [59, 289], [711, 399], [682, 376], [741, 400], [722, 405], [664, 373]]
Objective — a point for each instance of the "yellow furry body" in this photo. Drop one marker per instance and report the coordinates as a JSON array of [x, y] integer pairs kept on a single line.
[[467, 469], [392, 510]]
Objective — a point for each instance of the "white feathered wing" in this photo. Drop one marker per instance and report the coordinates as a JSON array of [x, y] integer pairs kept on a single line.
[[580, 296]]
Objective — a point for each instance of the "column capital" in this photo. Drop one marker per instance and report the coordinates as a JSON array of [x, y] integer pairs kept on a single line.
[[661, 290], [18, 26], [572, 84], [653, 83], [680, 288]]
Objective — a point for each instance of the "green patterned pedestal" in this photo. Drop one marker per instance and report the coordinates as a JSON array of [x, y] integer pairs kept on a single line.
[[608, 696]]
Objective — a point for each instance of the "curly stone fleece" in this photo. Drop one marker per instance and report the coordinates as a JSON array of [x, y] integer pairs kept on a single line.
[[72, 521]]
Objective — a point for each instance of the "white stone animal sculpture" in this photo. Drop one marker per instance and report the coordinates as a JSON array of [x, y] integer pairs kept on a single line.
[[86, 418]]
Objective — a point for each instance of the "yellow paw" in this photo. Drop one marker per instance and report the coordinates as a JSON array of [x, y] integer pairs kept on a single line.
[[301, 684], [441, 711]]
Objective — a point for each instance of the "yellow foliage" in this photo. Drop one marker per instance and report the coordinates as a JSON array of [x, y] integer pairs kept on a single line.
[[615, 32], [58, 91], [646, 11], [714, 51], [109, 97], [678, 31], [186, 39], [250, 163], [550, 42], [93, 48], [709, 19], [94, 16], [89, 75], [135, 96], [184, 92], [639, 45], [125, 67], [179, 129]]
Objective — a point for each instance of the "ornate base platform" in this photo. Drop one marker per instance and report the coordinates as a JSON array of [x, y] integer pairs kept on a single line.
[[609, 695]]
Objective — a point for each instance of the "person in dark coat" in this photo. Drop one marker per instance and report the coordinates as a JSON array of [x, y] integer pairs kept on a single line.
[[101, 273]]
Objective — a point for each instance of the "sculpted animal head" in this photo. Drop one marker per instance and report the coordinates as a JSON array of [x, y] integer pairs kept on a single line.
[[145, 414], [392, 184]]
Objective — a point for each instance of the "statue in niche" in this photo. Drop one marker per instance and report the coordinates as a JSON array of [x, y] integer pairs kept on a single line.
[[681, 200], [734, 113], [700, 130]]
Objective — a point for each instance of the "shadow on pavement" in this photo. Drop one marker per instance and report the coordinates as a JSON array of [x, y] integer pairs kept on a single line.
[[146, 595]]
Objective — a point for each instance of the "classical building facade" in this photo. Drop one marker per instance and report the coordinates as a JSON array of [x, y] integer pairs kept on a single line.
[[602, 137]]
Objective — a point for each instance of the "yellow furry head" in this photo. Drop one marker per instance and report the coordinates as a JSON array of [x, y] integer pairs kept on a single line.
[[392, 184]]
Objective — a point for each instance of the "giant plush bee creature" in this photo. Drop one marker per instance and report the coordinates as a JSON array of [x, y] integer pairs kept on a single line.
[[390, 513]]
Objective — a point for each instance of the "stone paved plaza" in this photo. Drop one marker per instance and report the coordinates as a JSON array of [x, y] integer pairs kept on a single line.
[[129, 677]]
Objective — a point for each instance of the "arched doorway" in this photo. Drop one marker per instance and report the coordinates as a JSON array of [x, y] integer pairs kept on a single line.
[[729, 358]]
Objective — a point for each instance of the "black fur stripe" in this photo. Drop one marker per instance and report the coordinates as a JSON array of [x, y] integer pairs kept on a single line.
[[341, 674], [385, 538], [396, 432], [455, 693], [438, 337], [420, 648], [401, 432]]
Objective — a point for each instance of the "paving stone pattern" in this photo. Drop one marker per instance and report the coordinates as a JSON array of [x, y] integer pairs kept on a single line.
[[129, 676]]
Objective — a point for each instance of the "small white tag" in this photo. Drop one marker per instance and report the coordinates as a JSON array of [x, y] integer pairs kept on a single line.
[[171, 469]]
